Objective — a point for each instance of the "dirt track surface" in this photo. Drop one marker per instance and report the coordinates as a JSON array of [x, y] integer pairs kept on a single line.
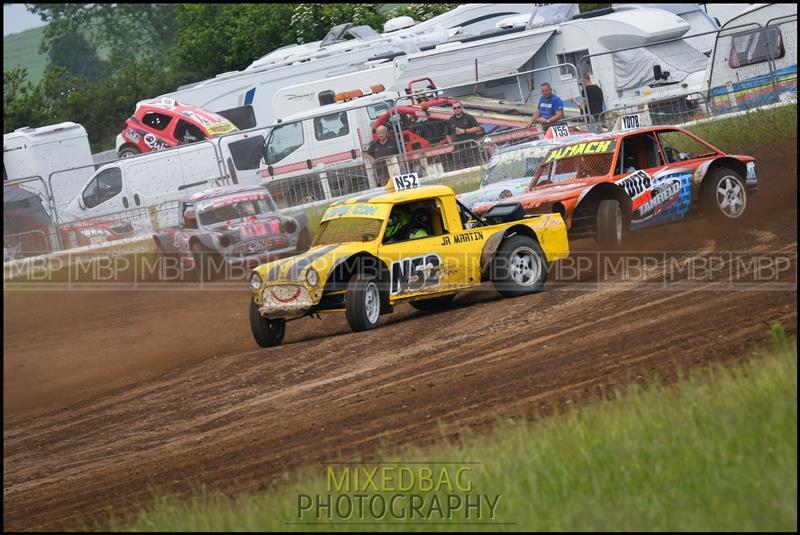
[[108, 393]]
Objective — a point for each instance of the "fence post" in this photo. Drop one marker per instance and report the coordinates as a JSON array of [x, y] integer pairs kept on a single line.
[[326, 187], [154, 218]]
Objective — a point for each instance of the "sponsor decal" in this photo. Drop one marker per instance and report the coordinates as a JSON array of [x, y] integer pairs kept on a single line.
[[132, 135], [303, 96], [415, 274], [155, 143], [475, 235], [350, 210], [222, 128], [661, 198], [590, 147], [637, 185]]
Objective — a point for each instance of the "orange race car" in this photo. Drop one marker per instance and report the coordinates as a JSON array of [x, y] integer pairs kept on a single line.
[[608, 184]]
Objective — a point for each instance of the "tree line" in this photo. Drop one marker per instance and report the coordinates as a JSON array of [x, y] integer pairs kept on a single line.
[[104, 58]]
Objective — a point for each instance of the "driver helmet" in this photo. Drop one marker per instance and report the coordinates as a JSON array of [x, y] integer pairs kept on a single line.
[[190, 217], [421, 218], [398, 219], [630, 161]]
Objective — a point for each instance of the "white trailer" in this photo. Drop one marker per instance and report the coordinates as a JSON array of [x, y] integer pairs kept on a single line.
[[39, 152]]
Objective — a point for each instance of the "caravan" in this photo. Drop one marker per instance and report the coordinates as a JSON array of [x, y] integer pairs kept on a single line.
[[754, 60]]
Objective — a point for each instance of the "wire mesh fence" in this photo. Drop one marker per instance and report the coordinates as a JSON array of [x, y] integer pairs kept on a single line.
[[742, 67]]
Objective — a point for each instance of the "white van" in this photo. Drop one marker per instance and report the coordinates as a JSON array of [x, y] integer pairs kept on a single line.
[[31, 152], [147, 180], [156, 177], [318, 154]]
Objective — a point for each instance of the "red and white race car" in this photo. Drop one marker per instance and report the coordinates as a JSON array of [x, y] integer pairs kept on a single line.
[[161, 123]]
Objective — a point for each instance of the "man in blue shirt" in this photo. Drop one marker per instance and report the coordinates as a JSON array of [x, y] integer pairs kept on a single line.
[[550, 109]]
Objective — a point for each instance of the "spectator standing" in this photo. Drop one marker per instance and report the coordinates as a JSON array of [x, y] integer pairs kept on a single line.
[[462, 126], [591, 100], [380, 149], [550, 109]]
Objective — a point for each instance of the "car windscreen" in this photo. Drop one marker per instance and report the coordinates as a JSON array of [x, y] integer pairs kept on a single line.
[[348, 229], [514, 164], [233, 209], [573, 167]]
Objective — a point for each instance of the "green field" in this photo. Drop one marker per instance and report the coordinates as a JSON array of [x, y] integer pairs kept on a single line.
[[23, 49], [717, 453]]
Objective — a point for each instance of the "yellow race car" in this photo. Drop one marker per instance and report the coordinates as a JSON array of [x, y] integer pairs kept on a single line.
[[417, 245]]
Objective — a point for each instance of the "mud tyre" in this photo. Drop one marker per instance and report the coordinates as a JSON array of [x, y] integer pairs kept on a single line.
[[266, 332]]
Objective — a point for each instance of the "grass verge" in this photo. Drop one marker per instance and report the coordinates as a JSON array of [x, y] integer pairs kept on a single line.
[[755, 128], [719, 452]]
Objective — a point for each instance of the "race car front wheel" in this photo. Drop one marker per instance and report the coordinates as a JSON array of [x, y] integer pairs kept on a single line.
[[267, 332], [520, 267], [362, 302], [723, 196]]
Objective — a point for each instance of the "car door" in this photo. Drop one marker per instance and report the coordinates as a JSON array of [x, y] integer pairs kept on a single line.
[[657, 187], [639, 159], [433, 264]]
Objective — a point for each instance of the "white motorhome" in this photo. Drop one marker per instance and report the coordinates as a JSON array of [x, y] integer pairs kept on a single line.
[[40, 152], [754, 60], [254, 87], [620, 50], [626, 77]]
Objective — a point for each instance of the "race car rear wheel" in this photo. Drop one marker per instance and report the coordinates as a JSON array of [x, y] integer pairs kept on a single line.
[[267, 332], [723, 196], [610, 223], [362, 302], [520, 267], [434, 303], [127, 151]]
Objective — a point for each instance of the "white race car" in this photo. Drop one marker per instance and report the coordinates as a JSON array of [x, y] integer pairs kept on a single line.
[[509, 171]]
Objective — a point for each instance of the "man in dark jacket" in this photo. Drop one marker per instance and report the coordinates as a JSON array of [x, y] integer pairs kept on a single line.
[[591, 100], [379, 150], [464, 127]]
